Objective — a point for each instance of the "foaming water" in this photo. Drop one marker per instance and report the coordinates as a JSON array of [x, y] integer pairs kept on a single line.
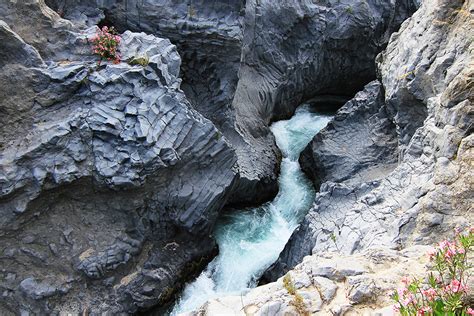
[[250, 240]]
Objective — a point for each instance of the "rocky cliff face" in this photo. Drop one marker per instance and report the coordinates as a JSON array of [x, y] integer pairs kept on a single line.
[[366, 200], [104, 171]]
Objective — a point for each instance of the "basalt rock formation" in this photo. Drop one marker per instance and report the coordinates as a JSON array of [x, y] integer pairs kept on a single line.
[[419, 186], [107, 173]]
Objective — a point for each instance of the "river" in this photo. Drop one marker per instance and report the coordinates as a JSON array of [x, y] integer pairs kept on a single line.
[[251, 239]]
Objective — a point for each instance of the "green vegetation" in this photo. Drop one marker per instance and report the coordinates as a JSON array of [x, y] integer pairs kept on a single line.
[[297, 300], [105, 45], [140, 60], [446, 290]]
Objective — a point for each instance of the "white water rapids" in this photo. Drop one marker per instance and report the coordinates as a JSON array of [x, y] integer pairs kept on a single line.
[[250, 240]]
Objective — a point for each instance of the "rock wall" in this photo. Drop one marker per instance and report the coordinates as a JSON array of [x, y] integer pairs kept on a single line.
[[110, 180], [378, 206], [366, 201], [293, 51]]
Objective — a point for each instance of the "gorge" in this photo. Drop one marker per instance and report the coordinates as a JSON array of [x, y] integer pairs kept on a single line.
[[121, 182], [250, 240]]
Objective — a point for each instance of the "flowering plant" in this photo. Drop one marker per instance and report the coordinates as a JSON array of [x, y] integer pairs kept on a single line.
[[446, 289], [106, 43]]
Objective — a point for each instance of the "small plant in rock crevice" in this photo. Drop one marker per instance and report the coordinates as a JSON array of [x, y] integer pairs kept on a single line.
[[297, 300], [446, 289], [105, 45], [141, 60]]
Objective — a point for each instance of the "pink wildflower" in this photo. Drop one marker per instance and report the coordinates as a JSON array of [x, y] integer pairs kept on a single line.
[[432, 253], [424, 310], [430, 294], [444, 245], [408, 300], [470, 311], [401, 292], [455, 287], [449, 253]]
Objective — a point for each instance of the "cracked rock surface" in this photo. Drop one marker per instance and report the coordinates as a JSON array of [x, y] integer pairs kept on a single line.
[[330, 284], [112, 177]]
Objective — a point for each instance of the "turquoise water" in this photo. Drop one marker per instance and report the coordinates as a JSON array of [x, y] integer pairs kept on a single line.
[[250, 240]]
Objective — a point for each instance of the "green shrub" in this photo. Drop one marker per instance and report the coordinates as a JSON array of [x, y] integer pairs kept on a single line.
[[446, 289]]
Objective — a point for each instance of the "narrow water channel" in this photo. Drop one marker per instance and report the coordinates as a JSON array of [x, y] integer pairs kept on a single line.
[[250, 240]]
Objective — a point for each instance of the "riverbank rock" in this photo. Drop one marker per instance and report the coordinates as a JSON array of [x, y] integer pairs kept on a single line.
[[426, 75], [358, 145], [110, 181], [330, 284]]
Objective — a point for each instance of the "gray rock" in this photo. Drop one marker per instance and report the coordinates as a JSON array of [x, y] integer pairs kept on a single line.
[[311, 299], [270, 308], [105, 166], [38, 290], [424, 74], [333, 49], [339, 310], [15, 50], [247, 63], [359, 145], [326, 287], [117, 152], [361, 289]]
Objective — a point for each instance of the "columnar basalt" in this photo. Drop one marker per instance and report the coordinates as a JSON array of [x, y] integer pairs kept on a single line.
[[112, 176], [110, 180]]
